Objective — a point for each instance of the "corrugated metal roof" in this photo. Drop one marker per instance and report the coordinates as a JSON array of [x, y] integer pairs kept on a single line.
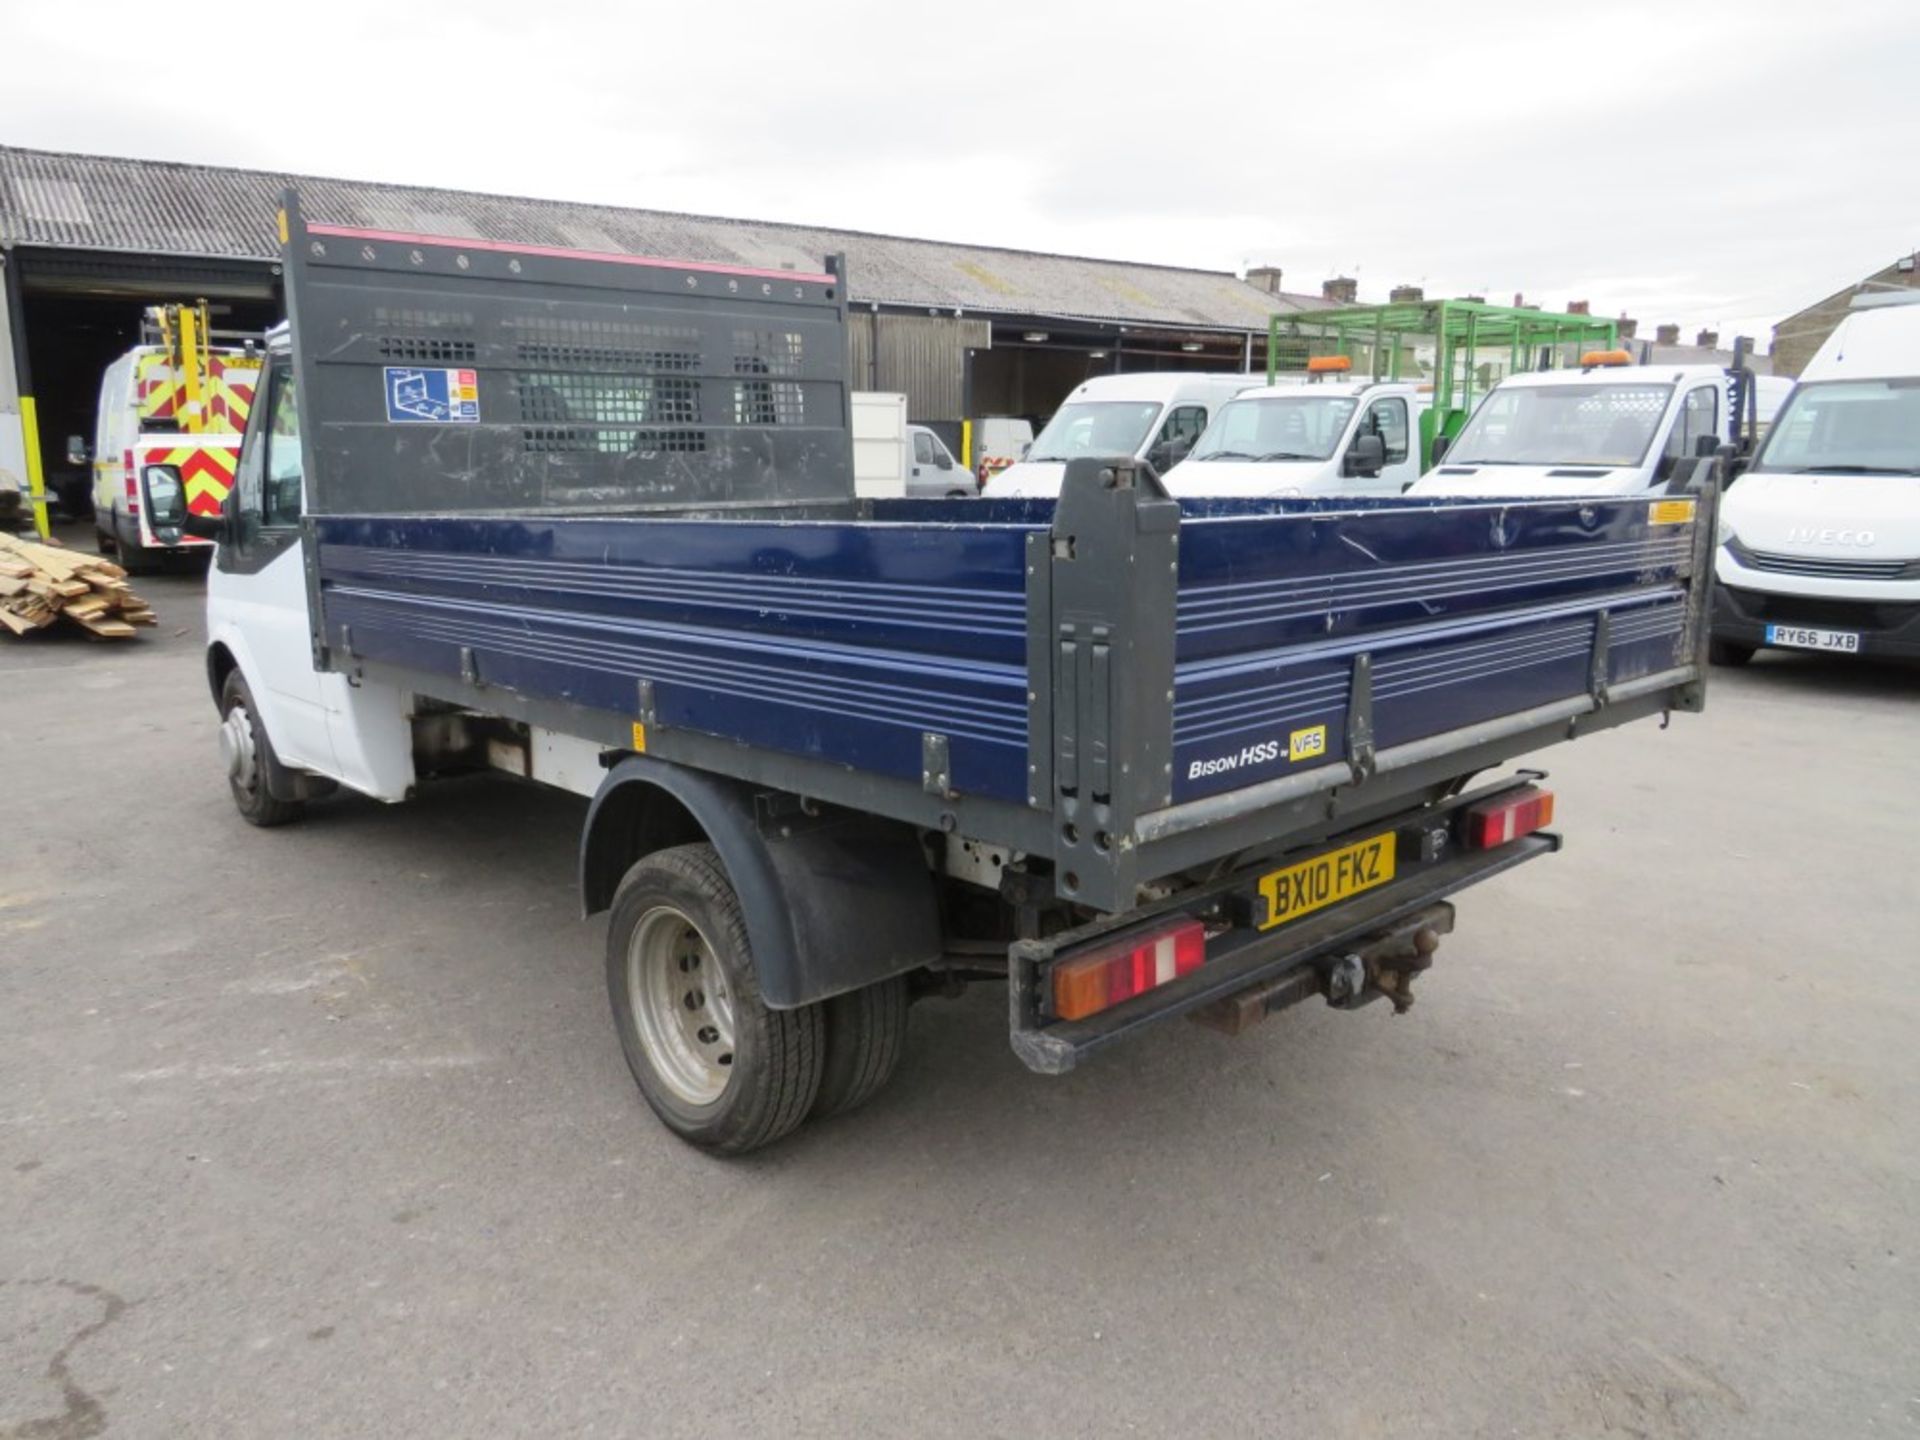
[[98, 202]]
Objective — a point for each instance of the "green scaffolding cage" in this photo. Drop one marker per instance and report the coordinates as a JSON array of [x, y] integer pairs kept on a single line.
[[1460, 347]]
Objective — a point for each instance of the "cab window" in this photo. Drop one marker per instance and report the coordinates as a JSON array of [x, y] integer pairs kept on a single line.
[[1387, 418], [1699, 415], [922, 448], [280, 500], [1184, 422]]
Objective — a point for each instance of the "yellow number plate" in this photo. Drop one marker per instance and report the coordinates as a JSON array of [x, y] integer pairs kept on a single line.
[[1326, 879]]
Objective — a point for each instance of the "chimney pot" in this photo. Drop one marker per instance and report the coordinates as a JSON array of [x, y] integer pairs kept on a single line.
[[1265, 277], [1342, 290], [1667, 334], [1708, 339]]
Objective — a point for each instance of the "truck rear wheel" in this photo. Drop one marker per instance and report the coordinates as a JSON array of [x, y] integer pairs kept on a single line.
[[866, 1036], [249, 756], [720, 1068]]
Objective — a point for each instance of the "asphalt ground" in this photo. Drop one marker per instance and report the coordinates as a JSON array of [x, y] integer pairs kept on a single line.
[[325, 1130]]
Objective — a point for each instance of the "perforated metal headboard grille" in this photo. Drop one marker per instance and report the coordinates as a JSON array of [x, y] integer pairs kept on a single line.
[[449, 375]]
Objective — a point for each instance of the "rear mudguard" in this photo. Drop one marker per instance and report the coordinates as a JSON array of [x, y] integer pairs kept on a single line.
[[833, 900]]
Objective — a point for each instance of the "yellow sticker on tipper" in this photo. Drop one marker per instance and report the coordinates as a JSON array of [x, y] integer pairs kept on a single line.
[[1305, 744], [1670, 512], [639, 737]]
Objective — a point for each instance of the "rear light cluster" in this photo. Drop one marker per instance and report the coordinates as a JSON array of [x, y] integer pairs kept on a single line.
[[1131, 965], [1506, 817]]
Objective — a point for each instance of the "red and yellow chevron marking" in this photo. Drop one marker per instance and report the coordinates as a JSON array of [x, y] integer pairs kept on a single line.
[[162, 391], [207, 472]]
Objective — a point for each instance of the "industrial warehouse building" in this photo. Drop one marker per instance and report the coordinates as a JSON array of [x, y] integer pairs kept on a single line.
[[86, 242]]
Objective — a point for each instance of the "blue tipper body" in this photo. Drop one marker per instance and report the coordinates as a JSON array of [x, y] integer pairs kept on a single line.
[[850, 640]]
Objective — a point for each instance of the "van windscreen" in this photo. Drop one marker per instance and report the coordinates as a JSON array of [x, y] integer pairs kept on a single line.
[[1096, 427], [1852, 427], [1598, 424]]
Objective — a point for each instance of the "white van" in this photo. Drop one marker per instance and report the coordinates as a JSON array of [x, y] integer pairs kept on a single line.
[[1333, 437], [149, 415], [1820, 537], [1605, 429], [1153, 416]]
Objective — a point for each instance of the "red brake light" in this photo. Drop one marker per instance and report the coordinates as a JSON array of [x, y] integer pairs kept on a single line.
[[1131, 965], [1507, 817]]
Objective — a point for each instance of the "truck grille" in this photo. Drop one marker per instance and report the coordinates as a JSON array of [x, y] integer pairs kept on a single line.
[[1822, 568]]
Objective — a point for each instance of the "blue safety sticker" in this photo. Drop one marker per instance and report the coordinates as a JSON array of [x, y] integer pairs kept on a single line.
[[432, 397]]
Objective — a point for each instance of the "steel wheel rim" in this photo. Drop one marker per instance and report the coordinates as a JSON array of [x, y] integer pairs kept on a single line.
[[236, 744], [682, 1005]]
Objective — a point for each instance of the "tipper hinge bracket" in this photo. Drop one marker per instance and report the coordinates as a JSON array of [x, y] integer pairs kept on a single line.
[[1600, 668], [1360, 718], [936, 768], [644, 704]]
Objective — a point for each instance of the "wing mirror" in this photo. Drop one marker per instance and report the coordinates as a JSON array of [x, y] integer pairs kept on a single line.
[[1366, 456], [77, 453], [165, 496], [1441, 444], [942, 460]]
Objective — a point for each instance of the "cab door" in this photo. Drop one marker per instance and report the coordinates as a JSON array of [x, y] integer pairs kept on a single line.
[[1390, 418], [257, 589]]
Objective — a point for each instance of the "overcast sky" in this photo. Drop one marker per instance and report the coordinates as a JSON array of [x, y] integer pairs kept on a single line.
[[1717, 164]]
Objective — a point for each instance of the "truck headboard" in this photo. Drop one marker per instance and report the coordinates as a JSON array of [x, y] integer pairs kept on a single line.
[[447, 375]]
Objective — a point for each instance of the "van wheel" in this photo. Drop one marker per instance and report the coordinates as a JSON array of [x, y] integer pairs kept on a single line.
[[135, 558], [720, 1068], [103, 542], [866, 1036], [1725, 652], [249, 756]]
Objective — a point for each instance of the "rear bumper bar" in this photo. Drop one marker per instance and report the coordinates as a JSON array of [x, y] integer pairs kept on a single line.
[[1304, 954]]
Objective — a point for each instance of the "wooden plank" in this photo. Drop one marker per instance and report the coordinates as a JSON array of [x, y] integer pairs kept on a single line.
[[115, 628]]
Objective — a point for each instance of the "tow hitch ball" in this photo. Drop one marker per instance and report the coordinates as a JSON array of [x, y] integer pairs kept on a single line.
[[1389, 967]]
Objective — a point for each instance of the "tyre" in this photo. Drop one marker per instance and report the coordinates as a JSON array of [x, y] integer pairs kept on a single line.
[[1725, 652], [103, 542], [249, 756], [135, 558], [866, 1036], [721, 1069]]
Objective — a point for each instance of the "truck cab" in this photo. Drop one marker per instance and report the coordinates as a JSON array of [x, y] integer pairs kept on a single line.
[[1608, 428], [1149, 416], [1335, 437], [1820, 537]]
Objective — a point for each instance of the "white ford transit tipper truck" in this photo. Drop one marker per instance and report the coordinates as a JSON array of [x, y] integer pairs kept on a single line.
[[1820, 537], [1608, 428], [1337, 437], [1152, 416]]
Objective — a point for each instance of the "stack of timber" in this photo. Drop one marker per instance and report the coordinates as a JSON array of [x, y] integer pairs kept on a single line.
[[40, 584]]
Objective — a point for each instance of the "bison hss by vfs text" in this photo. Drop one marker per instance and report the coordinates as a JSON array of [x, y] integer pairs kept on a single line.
[[590, 519]]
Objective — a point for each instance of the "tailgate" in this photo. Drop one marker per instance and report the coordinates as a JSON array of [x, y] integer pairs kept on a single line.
[[1332, 660], [1314, 639]]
